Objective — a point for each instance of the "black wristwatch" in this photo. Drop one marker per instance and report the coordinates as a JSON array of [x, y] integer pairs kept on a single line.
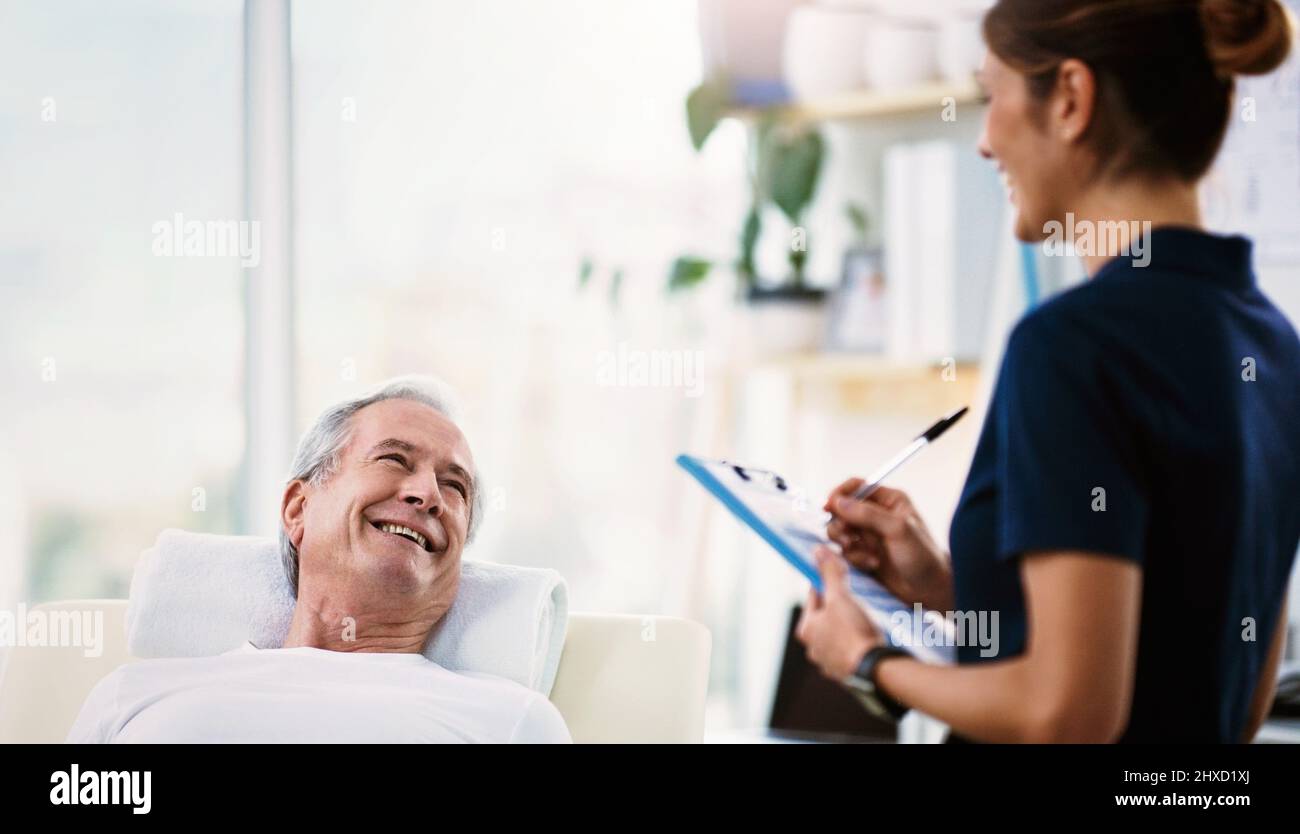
[[862, 684]]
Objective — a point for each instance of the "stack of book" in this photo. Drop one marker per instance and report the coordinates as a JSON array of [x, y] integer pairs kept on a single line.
[[943, 207]]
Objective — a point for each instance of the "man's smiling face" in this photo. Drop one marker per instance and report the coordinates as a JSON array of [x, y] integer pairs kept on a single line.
[[392, 520]]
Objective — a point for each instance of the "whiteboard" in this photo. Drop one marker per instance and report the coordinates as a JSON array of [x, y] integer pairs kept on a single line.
[[1254, 188]]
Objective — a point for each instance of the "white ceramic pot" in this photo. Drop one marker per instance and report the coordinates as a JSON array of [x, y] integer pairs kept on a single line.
[[900, 53], [779, 328], [822, 54], [961, 48], [742, 39]]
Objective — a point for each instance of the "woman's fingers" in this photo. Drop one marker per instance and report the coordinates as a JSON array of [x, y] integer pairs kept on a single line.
[[844, 533], [841, 533], [853, 543], [847, 488], [862, 549], [862, 558], [883, 495], [868, 515], [890, 498], [850, 538]]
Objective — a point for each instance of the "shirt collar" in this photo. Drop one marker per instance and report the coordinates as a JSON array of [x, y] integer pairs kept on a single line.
[[1225, 259], [373, 657]]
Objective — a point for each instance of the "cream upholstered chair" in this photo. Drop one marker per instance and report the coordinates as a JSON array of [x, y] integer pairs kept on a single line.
[[622, 678]]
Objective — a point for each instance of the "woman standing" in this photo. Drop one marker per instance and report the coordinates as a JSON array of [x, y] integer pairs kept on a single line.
[[1133, 508]]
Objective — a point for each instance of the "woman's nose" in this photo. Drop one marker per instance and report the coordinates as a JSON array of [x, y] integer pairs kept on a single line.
[[982, 145]]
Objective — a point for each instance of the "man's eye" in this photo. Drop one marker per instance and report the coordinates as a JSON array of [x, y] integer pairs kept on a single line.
[[395, 457], [459, 487]]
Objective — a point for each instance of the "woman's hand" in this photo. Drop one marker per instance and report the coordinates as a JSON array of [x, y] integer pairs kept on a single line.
[[885, 537], [834, 628]]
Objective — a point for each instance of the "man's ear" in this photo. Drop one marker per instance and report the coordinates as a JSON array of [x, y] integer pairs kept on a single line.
[[292, 507], [1074, 102]]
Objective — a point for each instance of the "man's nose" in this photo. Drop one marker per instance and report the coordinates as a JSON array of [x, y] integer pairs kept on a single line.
[[423, 494]]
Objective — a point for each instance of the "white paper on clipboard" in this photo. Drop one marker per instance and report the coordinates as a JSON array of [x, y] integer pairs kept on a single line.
[[775, 511]]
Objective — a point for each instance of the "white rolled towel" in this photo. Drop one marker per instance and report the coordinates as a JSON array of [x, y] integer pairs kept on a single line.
[[197, 594]]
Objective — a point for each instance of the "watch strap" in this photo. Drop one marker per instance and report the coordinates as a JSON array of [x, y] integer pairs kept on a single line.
[[862, 683]]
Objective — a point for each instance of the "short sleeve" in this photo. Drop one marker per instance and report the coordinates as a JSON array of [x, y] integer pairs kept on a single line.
[[1069, 452], [94, 722], [541, 723]]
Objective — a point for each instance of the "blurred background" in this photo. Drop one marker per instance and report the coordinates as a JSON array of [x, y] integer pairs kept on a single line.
[[622, 230]]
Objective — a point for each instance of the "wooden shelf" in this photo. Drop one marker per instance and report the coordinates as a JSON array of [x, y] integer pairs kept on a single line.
[[857, 367], [868, 104], [871, 384]]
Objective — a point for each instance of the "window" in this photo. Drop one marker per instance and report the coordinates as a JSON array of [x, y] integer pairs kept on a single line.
[[119, 126]]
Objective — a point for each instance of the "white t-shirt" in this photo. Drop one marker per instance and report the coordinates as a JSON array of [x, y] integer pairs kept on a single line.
[[304, 695]]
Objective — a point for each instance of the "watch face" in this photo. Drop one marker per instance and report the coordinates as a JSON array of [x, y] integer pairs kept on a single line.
[[872, 704], [860, 684]]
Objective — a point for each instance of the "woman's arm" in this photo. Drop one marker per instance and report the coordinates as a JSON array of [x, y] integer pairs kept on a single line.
[[1074, 682], [1266, 687]]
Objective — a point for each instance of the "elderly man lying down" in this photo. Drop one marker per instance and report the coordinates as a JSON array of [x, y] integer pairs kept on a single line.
[[381, 502]]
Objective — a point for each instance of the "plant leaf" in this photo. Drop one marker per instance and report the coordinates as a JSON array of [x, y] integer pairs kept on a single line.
[[687, 272], [749, 234], [858, 217], [615, 286], [793, 166], [705, 107]]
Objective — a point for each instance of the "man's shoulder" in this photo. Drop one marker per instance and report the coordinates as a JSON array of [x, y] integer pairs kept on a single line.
[[538, 720], [145, 674], [147, 665]]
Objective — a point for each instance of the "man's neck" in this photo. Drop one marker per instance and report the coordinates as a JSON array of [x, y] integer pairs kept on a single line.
[[342, 623]]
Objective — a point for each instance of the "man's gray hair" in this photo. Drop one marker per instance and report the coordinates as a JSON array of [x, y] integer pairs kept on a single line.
[[320, 449]]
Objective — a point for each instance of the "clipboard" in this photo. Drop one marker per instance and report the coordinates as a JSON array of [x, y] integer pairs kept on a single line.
[[783, 517]]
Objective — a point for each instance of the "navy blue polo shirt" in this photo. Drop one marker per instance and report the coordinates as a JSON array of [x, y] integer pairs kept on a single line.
[[1170, 392]]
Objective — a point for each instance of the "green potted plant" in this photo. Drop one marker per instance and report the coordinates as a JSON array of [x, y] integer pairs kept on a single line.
[[783, 163]]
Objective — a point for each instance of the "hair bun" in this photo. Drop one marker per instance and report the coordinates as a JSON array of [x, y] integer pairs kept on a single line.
[[1246, 37]]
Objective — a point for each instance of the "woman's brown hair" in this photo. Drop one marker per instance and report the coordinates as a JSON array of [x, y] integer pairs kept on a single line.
[[1164, 69]]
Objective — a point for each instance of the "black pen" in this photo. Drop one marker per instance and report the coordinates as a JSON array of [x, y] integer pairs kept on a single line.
[[924, 439]]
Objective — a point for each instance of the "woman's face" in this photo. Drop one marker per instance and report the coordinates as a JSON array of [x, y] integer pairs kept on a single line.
[[1034, 168]]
